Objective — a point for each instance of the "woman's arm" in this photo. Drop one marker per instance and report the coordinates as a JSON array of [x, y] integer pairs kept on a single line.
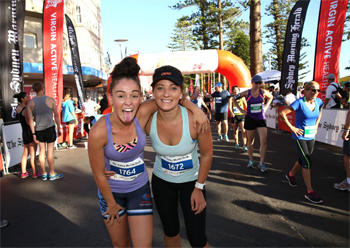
[[148, 108], [242, 95], [97, 141], [205, 144], [283, 114], [269, 99], [230, 107]]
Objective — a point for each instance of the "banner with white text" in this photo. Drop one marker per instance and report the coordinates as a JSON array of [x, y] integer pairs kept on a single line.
[[74, 49], [328, 41], [12, 14], [53, 49], [291, 53]]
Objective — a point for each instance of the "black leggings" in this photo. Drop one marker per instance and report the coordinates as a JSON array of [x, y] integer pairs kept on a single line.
[[166, 197], [305, 149]]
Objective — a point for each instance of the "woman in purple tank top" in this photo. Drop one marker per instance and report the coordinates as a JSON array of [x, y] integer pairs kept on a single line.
[[115, 146], [255, 119]]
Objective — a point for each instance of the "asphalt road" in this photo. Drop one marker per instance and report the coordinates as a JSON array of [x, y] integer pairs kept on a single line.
[[246, 208]]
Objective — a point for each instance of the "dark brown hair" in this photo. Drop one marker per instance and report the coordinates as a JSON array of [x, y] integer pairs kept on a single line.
[[127, 68], [37, 86]]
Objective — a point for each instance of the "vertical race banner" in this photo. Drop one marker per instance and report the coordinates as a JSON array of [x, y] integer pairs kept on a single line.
[[292, 42], [328, 41], [12, 14], [53, 49], [78, 75]]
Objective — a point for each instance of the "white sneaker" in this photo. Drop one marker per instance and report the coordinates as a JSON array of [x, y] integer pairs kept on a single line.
[[71, 147], [342, 186]]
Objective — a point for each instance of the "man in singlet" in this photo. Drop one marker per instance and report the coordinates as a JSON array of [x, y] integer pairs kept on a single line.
[[40, 108]]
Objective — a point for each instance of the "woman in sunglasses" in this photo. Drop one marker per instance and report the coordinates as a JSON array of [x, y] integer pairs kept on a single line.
[[307, 117], [255, 118]]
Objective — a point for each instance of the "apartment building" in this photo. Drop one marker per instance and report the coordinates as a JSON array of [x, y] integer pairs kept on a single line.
[[86, 17]]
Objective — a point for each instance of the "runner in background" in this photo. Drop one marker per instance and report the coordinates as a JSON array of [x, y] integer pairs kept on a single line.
[[221, 98], [69, 118], [27, 136], [308, 112], [255, 120], [197, 99], [345, 185], [237, 118]]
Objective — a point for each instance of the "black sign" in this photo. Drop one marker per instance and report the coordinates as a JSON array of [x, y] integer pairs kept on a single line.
[[12, 14], [291, 53], [78, 75]]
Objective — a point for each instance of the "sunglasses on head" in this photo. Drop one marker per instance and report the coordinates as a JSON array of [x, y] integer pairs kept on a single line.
[[315, 90]]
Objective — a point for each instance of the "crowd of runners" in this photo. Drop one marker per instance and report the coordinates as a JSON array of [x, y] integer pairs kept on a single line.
[[177, 129]]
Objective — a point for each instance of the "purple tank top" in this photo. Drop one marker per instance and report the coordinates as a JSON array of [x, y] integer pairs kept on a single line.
[[131, 173], [255, 106]]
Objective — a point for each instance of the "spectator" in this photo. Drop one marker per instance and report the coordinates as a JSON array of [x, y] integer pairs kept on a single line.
[[41, 108], [332, 99], [89, 106], [104, 103], [69, 118], [289, 98]]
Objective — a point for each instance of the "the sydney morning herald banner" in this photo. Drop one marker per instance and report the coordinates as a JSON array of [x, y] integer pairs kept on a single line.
[[291, 53], [11, 47], [78, 75]]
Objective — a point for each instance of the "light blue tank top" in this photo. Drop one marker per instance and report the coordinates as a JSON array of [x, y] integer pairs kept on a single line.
[[179, 163]]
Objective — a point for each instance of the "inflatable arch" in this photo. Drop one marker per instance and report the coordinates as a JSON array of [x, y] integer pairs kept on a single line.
[[195, 62]]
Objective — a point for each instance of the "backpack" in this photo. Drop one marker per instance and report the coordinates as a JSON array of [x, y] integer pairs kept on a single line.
[[341, 92]]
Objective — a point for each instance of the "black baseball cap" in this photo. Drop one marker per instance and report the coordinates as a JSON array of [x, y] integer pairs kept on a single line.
[[168, 72]]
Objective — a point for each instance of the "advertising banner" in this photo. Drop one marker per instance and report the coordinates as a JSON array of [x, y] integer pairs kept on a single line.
[[11, 46], [78, 76], [187, 62], [13, 144], [53, 49], [292, 42], [328, 41], [331, 126]]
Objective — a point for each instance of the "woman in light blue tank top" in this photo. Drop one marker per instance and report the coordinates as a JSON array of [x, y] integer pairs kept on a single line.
[[115, 146], [177, 172]]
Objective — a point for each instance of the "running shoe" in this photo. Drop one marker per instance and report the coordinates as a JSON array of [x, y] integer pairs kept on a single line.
[[226, 138], [44, 177], [55, 177], [71, 147], [262, 167], [219, 137], [25, 175], [237, 146], [342, 186], [4, 223], [291, 180], [64, 144], [245, 148], [36, 175], [250, 164], [312, 197]]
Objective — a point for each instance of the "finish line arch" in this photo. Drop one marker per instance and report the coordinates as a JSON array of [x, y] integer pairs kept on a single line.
[[196, 62]]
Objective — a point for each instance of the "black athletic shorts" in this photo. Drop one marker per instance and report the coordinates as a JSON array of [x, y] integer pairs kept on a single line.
[[346, 148], [305, 148], [166, 196], [237, 119], [70, 122], [27, 136], [221, 116], [47, 135], [252, 124]]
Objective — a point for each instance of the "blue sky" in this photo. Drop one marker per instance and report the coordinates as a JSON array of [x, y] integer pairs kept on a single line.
[[148, 26]]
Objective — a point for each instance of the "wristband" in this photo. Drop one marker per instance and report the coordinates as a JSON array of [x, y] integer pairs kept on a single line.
[[34, 133], [346, 130], [199, 185]]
